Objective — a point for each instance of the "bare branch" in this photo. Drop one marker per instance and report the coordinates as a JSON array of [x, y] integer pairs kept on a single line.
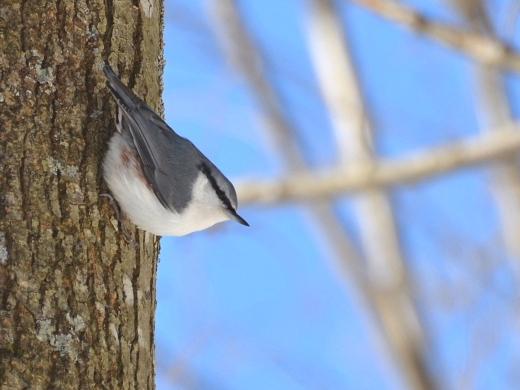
[[481, 48], [495, 111], [247, 57], [388, 280], [397, 172]]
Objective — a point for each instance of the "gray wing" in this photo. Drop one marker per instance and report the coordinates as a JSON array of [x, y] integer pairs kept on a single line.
[[170, 162]]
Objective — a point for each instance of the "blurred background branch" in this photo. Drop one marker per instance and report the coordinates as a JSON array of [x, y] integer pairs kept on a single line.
[[495, 111], [247, 56], [480, 47], [387, 275], [487, 148]]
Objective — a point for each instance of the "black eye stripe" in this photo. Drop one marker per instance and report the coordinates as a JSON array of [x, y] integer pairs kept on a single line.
[[221, 194]]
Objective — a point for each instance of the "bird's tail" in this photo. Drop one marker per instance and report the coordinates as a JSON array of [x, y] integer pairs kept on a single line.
[[123, 95]]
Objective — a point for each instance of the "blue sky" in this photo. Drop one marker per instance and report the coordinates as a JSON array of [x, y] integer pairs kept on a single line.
[[262, 307]]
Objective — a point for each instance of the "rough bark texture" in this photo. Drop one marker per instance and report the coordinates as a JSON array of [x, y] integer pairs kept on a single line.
[[77, 300]]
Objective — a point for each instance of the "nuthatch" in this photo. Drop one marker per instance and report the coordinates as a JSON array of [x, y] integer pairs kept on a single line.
[[161, 180]]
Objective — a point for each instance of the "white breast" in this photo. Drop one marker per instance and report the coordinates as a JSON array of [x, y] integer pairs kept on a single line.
[[125, 179]]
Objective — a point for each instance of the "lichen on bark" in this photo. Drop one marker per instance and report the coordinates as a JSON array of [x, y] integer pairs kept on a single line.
[[77, 300]]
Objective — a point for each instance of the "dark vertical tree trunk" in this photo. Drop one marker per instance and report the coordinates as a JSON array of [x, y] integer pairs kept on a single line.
[[77, 300]]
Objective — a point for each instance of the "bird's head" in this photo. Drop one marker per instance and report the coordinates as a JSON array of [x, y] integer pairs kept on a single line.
[[215, 190]]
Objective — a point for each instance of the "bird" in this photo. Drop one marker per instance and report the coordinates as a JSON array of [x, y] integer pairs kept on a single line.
[[161, 180]]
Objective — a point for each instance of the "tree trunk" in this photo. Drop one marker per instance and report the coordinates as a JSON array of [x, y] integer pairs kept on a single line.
[[77, 298]]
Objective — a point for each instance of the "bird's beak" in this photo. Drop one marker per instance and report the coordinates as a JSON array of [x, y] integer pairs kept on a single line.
[[233, 215]]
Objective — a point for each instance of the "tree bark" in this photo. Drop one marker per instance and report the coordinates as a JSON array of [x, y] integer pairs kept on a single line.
[[77, 299]]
